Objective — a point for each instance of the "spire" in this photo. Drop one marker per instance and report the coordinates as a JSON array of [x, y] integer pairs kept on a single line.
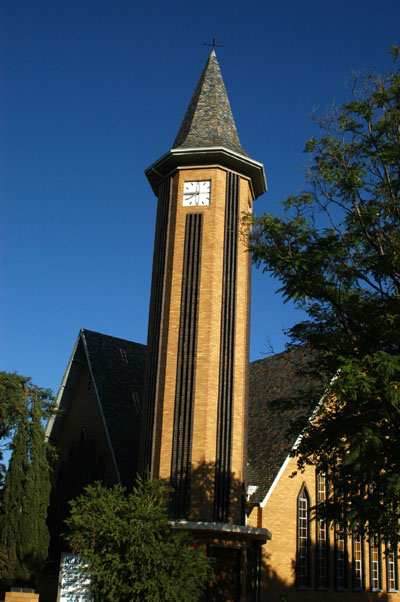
[[208, 136], [209, 121]]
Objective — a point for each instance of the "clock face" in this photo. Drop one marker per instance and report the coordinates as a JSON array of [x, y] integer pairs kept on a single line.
[[196, 193]]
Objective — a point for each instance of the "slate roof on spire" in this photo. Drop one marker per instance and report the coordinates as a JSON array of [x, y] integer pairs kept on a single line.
[[209, 121]]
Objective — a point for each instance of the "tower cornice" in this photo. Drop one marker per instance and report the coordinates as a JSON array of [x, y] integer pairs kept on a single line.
[[203, 156]]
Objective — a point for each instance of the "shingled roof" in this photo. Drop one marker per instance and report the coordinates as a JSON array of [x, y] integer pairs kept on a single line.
[[208, 121], [117, 368], [208, 136], [272, 381]]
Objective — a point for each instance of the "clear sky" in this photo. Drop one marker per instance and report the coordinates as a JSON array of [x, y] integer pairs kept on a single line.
[[92, 92]]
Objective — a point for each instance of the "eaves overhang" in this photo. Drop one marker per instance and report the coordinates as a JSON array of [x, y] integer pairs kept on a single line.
[[78, 360], [66, 392], [222, 530], [202, 156], [289, 457]]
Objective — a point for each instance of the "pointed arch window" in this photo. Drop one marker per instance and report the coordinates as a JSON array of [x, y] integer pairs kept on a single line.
[[322, 569], [340, 556], [375, 563], [358, 562], [392, 575], [340, 550], [303, 538]]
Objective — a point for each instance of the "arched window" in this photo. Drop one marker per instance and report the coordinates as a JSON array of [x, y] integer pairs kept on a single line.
[[375, 563], [303, 539], [322, 569], [358, 562], [340, 556], [391, 568]]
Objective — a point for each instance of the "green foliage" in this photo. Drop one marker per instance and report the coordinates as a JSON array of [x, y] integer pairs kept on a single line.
[[11, 406], [336, 254], [25, 495], [11, 519], [132, 552]]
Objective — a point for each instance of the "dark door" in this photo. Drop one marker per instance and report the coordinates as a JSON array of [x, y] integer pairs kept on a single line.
[[227, 584]]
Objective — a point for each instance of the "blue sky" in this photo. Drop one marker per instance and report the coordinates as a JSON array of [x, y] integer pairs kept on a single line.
[[93, 91]]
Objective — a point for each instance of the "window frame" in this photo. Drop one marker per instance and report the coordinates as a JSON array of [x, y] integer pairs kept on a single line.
[[375, 549], [322, 573], [358, 581], [392, 553], [340, 557], [303, 539]]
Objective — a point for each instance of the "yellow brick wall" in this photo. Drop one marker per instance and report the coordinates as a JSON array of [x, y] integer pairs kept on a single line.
[[208, 335], [240, 395], [21, 597], [279, 515]]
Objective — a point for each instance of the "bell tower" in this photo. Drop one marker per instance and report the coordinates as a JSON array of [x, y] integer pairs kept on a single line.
[[195, 402]]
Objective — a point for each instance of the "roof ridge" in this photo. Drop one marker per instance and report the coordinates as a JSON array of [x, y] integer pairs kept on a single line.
[[109, 336], [294, 349]]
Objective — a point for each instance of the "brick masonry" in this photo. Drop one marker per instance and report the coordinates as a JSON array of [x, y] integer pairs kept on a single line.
[[208, 339], [279, 515]]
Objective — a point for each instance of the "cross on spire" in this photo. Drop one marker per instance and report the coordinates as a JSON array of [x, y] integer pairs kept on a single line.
[[213, 43]]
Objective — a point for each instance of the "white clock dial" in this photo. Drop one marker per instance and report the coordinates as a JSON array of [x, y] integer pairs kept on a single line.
[[196, 193]]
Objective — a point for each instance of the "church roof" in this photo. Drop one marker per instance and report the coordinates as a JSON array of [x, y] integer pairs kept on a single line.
[[272, 382], [208, 121], [116, 367]]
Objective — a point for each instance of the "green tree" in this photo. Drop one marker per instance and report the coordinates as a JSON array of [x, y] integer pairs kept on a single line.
[[131, 550], [11, 521], [24, 536], [11, 404], [336, 254]]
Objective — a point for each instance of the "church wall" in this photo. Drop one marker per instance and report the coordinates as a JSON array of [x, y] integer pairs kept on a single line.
[[83, 456], [241, 357], [84, 417], [204, 313], [279, 515], [204, 424]]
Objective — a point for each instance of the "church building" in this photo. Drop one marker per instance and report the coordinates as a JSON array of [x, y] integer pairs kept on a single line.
[[189, 407]]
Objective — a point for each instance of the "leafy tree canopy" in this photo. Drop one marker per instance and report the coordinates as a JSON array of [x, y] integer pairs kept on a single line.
[[131, 550], [336, 254]]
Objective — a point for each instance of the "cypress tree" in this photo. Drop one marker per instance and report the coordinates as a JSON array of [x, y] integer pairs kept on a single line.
[[11, 522], [11, 404], [24, 536], [35, 543]]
